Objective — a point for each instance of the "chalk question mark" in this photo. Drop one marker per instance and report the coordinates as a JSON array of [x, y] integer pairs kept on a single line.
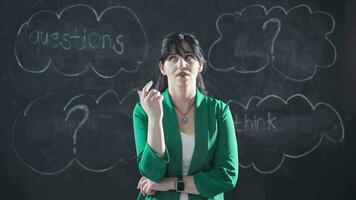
[[275, 20], [86, 111]]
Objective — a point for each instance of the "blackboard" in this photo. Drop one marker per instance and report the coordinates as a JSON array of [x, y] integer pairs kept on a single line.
[[70, 71]]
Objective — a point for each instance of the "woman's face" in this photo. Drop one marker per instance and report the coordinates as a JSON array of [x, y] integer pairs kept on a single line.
[[181, 69]]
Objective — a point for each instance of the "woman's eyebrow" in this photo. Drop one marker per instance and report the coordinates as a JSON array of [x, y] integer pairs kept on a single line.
[[187, 51], [190, 54], [182, 53]]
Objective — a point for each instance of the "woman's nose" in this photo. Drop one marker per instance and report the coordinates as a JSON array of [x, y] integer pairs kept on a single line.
[[182, 63]]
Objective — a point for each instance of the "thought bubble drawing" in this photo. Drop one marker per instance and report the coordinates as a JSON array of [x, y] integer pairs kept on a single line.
[[106, 137], [243, 45], [59, 129], [272, 129], [78, 39], [41, 138], [294, 43], [303, 45]]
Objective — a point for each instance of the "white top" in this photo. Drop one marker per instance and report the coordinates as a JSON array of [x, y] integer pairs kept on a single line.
[[188, 143]]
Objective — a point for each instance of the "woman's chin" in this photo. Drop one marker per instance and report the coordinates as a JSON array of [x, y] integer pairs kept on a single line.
[[180, 83], [183, 81]]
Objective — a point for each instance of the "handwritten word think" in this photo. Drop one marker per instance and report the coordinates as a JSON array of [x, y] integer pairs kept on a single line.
[[79, 40], [255, 124]]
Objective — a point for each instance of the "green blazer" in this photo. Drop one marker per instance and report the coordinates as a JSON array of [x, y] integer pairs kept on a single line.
[[214, 164]]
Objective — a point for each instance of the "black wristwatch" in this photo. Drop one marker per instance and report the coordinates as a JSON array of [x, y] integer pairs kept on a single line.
[[179, 184]]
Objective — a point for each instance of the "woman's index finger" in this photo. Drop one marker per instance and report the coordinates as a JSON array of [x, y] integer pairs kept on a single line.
[[147, 87]]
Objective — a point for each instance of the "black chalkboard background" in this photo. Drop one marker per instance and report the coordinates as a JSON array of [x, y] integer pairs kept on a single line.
[[70, 69]]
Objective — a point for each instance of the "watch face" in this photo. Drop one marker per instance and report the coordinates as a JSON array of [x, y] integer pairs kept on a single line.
[[180, 186]]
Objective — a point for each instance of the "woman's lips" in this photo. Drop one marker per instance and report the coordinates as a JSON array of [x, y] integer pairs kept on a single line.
[[182, 74]]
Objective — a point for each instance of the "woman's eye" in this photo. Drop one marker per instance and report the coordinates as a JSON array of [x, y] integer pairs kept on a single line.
[[189, 57], [172, 58]]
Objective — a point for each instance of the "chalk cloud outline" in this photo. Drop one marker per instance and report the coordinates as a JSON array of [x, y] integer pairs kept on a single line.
[[285, 102], [65, 107], [267, 12], [89, 66]]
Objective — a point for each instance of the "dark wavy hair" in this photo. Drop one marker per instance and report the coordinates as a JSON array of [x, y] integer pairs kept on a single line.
[[172, 43]]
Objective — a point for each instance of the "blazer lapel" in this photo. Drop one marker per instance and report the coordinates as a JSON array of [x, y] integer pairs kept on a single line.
[[172, 136], [201, 134]]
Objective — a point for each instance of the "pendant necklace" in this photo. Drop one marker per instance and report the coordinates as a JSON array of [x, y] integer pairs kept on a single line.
[[184, 118]]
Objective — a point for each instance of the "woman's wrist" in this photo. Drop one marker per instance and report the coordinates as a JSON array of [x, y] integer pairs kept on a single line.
[[154, 119], [172, 183], [155, 123]]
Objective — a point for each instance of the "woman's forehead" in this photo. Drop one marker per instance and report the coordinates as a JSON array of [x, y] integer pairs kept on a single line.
[[186, 47]]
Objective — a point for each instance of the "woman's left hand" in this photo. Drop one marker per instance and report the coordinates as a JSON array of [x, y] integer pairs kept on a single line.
[[150, 187], [145, 186]]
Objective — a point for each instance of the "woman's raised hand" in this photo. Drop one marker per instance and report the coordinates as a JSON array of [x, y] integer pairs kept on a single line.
[[151, 101]]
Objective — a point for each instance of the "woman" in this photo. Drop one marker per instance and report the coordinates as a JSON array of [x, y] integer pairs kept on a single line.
[[185, 141]]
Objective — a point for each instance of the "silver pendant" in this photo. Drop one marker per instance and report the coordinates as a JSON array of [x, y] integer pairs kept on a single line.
[[184, 119]]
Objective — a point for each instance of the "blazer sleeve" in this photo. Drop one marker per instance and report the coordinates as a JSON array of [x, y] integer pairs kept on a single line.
[[223, 176], [150, 163]]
